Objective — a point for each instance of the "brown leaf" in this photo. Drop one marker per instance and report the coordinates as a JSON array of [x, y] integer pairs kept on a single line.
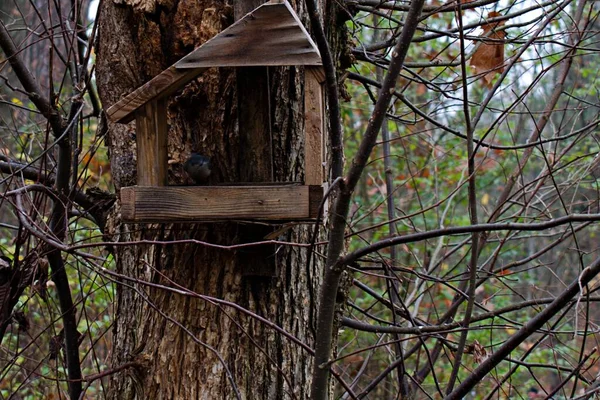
[[492, 25], [355, 358], [54, 346], [477, 350], [488, 58], [57, 343]]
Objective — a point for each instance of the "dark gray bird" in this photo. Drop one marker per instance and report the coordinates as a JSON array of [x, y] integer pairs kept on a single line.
[[198, 168]]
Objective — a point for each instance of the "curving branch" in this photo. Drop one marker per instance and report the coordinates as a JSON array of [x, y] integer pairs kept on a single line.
[[526, 331], [30, 83], [61, 130], [333, 270]]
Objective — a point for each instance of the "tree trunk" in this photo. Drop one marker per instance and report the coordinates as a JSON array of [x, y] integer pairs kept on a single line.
[[137, 40]]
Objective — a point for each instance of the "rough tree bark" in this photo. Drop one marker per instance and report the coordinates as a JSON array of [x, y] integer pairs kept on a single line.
[[137, 40]]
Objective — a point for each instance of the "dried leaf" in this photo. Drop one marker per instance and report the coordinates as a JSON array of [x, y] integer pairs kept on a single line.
[[485, 199], [477, 350], [54, 346], [57, 343], [354, 359], [488, 58]]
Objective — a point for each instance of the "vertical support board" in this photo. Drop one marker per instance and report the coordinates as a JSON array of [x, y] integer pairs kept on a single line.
[[151, 138], [255, 157], [255, 160], [313, 125]]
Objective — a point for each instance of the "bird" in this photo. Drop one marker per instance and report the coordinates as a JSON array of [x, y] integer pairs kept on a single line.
[[198, 168]]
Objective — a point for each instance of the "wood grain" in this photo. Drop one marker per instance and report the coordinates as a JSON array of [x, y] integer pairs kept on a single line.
[[162, 85], [318, 72], [314, 128], [197, 203], [315, 194], [271, 35], [151, 139], [255, 158]]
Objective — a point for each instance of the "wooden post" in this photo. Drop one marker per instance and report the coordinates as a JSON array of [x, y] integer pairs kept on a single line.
[[255, 159], [313, 125], [151, 138]]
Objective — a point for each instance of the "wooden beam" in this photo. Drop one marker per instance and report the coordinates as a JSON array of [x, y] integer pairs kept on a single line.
[[205, 203], [255, 157], [318, 73], [255, 160], [313, 127], [316, 196], [151, 138], [270, 35], [162, 85]]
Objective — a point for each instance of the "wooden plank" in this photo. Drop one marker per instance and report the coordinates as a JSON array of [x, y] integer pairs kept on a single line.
[[256, 148], [270, 35], [197, 203], [162, 85], [315, 193], [151, 138], [255, 159], [313, 128], [318, 73]]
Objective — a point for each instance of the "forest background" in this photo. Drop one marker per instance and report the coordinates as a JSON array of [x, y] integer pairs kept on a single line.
[[459, 254]]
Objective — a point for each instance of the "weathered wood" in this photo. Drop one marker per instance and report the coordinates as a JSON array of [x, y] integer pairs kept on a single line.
[[162, 85], [314, 128], [315, 193], [179, 368], [318, 73], [151, 138], [255, 158], [197, 203], [270, 35], [256, 148]]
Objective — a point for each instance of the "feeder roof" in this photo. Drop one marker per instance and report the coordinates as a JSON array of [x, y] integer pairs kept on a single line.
[[270, 35]]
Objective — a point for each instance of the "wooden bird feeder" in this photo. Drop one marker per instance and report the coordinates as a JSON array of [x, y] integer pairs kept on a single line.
[[271, 35]]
